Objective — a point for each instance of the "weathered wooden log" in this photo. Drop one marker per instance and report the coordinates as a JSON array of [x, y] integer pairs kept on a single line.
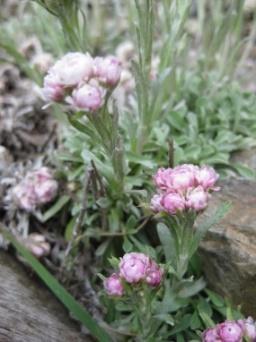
[[28, 311]]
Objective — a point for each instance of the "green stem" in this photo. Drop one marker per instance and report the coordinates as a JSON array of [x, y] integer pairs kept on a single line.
[[183, 253], [185, 236], [111, 142], [141, 302], [144, 41]]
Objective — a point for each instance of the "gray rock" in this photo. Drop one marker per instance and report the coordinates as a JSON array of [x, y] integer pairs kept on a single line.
[[246, 157], [229, 250], [28, 311]]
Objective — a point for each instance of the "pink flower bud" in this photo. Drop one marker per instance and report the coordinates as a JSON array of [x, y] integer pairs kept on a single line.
[[133, 267], [68, 72], [45, 186], [211, 335], [206, 177], [40, 250], [52, 90], [197, 199], [183, 187], [154, 274], [87, 97], [249, 328], [173, 202], [42, 174], [162, 178], [38, 187], [37, 244], [73, 68], [24, 196], [183, 177], [107, 70], [46, 191], [230, 331], [156, 203], [113, 285]]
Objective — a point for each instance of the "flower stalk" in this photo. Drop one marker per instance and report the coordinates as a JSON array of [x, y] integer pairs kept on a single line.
[[144, 33], [85, 84], [183, 192], [135, 284], [72, 21]]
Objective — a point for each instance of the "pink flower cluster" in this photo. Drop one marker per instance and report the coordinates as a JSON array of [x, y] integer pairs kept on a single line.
[[231, 331], [37, 188], [183, 187], [81, 80], [133, 268]]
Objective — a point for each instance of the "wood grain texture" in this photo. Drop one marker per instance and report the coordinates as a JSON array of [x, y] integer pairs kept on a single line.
[[28, 311]]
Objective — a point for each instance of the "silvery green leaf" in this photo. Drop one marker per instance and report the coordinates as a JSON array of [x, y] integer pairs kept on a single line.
[[192, 289], [167, 242]]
